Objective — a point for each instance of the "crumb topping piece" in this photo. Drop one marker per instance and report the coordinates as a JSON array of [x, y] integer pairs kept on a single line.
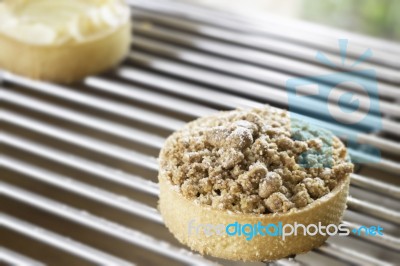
[[253, 161]]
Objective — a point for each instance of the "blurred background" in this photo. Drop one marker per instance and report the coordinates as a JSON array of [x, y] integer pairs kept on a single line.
[[371, 17]]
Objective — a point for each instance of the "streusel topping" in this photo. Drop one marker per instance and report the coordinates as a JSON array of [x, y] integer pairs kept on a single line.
[[253, 161]]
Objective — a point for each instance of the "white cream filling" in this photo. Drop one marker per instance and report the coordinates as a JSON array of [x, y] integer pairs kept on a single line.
[[49, 22]]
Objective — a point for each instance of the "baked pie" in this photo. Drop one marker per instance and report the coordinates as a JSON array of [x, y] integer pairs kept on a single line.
[[249, 167], [63, 40]]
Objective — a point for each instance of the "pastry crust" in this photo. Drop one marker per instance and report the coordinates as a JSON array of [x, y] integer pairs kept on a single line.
[[65, 63], [178, 211], [200, 187]]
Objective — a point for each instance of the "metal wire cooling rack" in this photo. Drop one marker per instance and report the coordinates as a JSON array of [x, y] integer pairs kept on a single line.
[[78, 164]]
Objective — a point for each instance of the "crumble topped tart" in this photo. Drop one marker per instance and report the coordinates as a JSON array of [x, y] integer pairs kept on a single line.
[[252, 167], [254, 161]]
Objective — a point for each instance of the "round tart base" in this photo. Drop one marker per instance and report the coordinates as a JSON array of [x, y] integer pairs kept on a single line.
[[65, 63], [178, 211]]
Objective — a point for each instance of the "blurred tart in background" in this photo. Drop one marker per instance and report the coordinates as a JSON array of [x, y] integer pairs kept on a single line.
[[64, 40]]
